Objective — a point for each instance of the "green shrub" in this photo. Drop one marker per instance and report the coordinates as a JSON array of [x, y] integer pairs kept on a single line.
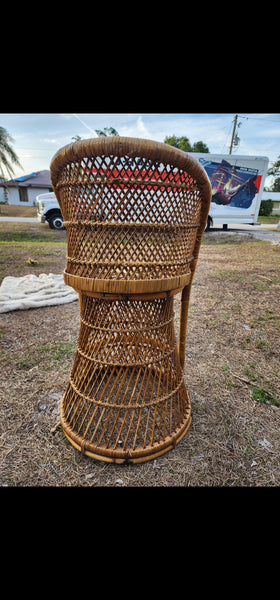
[[266, 208]]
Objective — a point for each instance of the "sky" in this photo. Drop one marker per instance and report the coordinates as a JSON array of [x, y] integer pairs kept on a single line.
[[38, 136]]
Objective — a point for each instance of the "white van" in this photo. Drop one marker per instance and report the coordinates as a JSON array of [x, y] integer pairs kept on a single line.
[[237, 184]]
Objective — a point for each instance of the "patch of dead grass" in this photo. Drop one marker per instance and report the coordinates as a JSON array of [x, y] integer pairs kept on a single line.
[[232, 347]]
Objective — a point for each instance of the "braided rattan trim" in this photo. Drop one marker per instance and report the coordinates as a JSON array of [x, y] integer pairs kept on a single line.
[[128, 263], [130, 225], [126, 287], [131, 182], [143, 364], [128, 329]]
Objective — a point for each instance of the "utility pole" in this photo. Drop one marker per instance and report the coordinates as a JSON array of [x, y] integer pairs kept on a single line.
[[233, 132]]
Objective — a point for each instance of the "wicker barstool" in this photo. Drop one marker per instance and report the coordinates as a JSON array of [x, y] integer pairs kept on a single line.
[[135, 212]]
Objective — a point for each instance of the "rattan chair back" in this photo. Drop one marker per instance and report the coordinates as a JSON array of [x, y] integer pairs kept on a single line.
[[133, 210]]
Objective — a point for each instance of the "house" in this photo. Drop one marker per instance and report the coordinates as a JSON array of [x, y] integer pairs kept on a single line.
[[23, 190], [275, 197]]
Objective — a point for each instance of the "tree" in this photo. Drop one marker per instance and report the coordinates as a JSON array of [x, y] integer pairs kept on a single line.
[[8, 157], [183, 143], [200, 147], [107, 131], [266, 207], [275, 171]]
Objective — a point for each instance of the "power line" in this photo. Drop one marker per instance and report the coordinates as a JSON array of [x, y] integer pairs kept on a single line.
[[261, 119]]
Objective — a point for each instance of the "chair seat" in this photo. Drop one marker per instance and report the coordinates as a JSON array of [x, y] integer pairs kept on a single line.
[[136, 287]]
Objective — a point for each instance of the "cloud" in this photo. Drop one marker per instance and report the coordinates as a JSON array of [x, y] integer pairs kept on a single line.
[[138, 129], [141, 127], [50, 141], [268, 132], [66, 116]]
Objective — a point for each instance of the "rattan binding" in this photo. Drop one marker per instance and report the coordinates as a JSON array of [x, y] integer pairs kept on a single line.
[[135, 212]]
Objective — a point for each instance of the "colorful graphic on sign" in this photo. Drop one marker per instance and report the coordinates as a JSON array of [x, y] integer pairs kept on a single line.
[[232, 184]]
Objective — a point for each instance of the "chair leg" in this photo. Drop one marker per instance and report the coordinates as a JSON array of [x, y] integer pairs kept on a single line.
[[185, 297], [80, 301]]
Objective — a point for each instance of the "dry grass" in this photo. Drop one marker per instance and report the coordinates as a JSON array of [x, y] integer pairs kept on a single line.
[[13, 210], [232, 374]]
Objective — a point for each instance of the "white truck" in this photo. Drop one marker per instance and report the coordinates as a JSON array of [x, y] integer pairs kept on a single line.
[[48, 210], [237, 184]]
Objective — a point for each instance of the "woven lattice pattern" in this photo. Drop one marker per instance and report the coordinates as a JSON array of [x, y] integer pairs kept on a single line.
[[128, 218], [134, 212], [126, 392]]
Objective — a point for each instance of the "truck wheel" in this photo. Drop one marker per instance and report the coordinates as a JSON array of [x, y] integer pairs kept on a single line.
[[56, 221]]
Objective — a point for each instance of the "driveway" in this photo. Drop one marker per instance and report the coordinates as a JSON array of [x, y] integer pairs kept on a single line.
[[19, 219], [266, 233]]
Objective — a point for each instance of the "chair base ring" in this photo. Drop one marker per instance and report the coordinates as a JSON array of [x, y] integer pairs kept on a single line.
[[136, 456]]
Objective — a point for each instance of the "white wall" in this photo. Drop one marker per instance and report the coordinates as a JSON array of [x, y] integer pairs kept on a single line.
[[13, 195], [2, 194]]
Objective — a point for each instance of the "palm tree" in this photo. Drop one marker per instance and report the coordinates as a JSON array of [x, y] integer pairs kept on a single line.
[[8, 157]]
